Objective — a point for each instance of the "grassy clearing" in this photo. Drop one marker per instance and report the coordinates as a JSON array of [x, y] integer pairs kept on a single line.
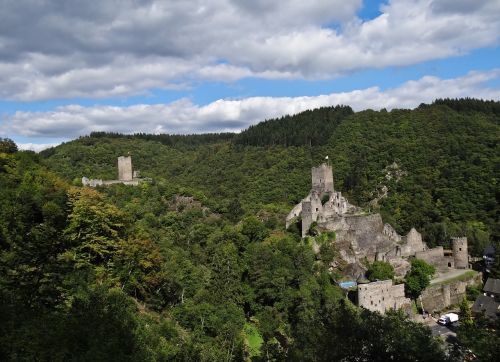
[[253, 339]]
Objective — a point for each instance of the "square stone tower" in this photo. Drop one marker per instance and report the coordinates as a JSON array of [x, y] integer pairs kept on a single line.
[[322, 179], [125, 168], [460, 252]]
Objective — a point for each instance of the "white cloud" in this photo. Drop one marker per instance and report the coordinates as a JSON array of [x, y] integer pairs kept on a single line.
[[37, 147], [230, 115], [64, 49]]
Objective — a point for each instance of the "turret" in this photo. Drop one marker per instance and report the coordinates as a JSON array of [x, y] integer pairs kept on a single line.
[[460, 253]]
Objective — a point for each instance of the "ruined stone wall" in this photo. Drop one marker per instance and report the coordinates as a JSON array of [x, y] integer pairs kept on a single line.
[[125, 168], [391, 233], [306, 217], [296, 211], [413, 243], [381, 296], [434, 256], [316, 207], [439, 296]]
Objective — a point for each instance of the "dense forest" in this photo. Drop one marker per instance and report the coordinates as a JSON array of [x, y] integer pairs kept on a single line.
[[139, 273]]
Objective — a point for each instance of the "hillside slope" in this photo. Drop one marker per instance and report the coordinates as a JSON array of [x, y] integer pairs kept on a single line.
[[447, 155]]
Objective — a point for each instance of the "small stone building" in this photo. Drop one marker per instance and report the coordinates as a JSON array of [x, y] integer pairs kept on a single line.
[[382, 295]]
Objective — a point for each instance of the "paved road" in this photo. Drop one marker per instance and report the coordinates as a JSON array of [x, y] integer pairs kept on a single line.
[[439, 330], [449, 275], [447, 333]]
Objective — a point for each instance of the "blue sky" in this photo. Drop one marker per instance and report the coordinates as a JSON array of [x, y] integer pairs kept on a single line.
[[222, 65]]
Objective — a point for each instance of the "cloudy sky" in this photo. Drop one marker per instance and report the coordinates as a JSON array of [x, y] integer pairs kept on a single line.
[[70, 67]]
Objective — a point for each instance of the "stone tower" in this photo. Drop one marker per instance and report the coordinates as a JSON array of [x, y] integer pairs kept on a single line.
[[322, 179], [460, 253], [307, 217], [125, 168]]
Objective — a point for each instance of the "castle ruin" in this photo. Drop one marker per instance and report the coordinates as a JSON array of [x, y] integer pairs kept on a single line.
[[363, 236], [126, 175], [322, 203]]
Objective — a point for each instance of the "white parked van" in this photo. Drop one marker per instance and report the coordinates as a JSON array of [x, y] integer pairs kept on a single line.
[[448, 318]]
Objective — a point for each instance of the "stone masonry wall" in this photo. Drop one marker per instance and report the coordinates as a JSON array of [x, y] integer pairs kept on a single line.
[[381, 296], [434, 256], [125, 168], [460, 252], [439, 296], [322, 178]]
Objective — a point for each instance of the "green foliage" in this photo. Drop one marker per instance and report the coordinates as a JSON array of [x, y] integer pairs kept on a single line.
[[368, 336], [456, 183], [466, 314], [477, 340], [95, 227], [418, 277], [129, 273], [254, 229], [253, 340], [7, 146], [473, 291], [380, 270], [309, 128]]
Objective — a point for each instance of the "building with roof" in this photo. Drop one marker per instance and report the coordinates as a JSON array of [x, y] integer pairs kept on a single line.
[[487, 305], [489, 302], [492, 288]]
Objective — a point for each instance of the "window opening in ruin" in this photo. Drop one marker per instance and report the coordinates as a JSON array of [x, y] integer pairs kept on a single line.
[[449, 264], [459, 249], [316, 209]]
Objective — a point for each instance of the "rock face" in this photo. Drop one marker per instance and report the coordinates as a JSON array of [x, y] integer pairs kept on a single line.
[[362, 237]]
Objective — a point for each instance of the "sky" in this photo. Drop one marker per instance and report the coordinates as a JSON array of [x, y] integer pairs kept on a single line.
[[70, 67]]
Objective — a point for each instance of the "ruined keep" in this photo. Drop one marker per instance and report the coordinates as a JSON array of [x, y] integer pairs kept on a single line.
[[362, 236], [322, 203], [125, 168], [126, 175], [322, 179]]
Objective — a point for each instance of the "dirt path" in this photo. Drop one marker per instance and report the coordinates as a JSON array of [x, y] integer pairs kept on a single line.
[[449, 275]]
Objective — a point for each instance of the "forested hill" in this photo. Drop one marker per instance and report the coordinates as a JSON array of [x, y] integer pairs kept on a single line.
[[141, 274], [309, 128], [447, 153]]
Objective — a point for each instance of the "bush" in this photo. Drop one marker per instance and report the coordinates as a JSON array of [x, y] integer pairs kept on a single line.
[[380, 270]]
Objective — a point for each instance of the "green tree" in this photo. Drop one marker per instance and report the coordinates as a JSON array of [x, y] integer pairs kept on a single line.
[[418, 277], [380, 270], [254, 229], [7, 146], [95, 227]]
